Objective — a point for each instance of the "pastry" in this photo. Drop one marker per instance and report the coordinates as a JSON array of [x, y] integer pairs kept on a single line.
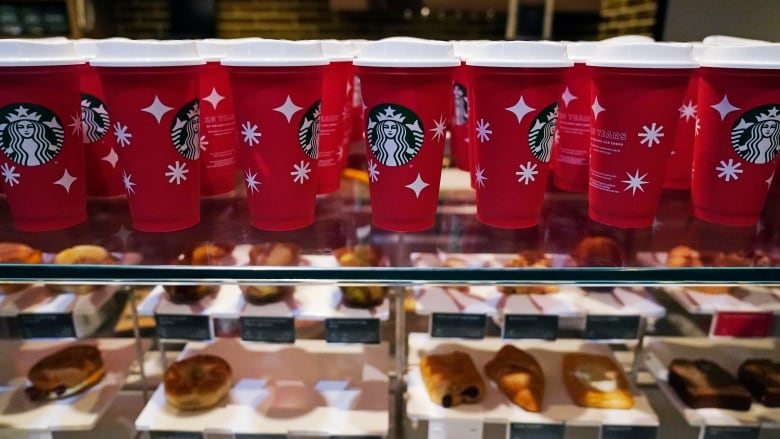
[[81, 255], [16, 253], [598, 251], [684, 256], [203, 254], [274, 254], [704, 384], [363, 296], [452, 379], [519, 376], [65, 373], [197, 382], [595, 381], [525, 260], [762, 379]]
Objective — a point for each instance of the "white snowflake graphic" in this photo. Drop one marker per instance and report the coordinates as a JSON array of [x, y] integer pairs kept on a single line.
[[76, 124], [651, 134], [698, 126], [730, 170], [634, 182], [479, 176], [251, 181], [483, 131], [203, 143], [250, 133], [10, 175], [526, 173], [439, 129], [373, 172], [127, 179], [688, 111], [301, 172], [177, 172], [121, 134]]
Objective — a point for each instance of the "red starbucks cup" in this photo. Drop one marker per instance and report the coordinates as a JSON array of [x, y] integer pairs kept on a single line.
[[516, 86], [152, 90], [637, 90], [735, 151], [41, 159], [460, 145], [278, 89], [358, 122], [336, 96], [219, 137], [407, 92]]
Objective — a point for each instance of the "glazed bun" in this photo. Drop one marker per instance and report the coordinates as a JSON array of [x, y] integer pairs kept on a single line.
[[197, 382], [66, 372], [16, 253]]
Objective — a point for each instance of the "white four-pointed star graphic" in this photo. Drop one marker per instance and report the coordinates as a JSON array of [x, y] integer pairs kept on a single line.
[[250, 133], [439, 129], [417, 185], [768, 181], [127, 179], [157, 109], [121, 134], [479, 176], [483, 131], [724, 107], [66, 180], [177, 172], [729, 171], [288, 108], [567, 97], [687, 111], [214, 98], [76, 124], [520, 109], [251, 181], [301, 172], [111, 158], [373, 172], [635, 182], [527, 173], [651, 134], [10, 175], [597, 108]]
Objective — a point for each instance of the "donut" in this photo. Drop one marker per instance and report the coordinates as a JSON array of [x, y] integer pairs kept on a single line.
[[271, 254], [81, 255], [197, 382], [66, 372], [16, 253]]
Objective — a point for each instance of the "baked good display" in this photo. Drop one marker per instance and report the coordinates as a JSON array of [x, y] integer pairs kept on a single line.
[[271, 254], [598, 251], [761, 377], [362, 296], [17, 253], [595, 381], [684, 256], [452, 379], [703, 384], [66, 372], [525, 260], [519, 376], [202, 254], [81, 255], [197, 382]]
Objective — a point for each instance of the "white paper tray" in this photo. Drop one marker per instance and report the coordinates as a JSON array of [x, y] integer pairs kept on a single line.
[[729, 354], [496, 407], [79, 412], [306, 388]]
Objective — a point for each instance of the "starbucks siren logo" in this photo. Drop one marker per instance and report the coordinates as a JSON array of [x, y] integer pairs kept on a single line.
[[461, 113], [95, 121], [756, 135], [394, 133], [30, 135], [542, 133], [309, 130], [185, 130]]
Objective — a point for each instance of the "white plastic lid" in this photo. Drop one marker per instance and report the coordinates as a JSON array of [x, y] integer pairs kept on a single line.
[[28, 53], [520, 54], [406, 52], [212, 49], [274, 53], [698, 48], [580, 51], [728, 40], [464, 48], [644, 56], [627, 39], [146, 53], [757, 56], [86, 47], [339, 50]]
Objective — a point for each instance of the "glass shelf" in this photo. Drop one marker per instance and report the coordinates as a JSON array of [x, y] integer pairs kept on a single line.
[[343, 218]]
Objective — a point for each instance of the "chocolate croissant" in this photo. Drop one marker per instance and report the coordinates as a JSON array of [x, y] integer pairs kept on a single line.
[[452, 379]]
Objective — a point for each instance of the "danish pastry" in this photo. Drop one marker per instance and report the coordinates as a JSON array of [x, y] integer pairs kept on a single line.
[[595, 381]]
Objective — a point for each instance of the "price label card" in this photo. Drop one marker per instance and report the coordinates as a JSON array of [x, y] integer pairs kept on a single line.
[[355, 437], [742, 324], [183, 327], [458, 325], [530, 326], [731, 432], [352, 331], [260, 436], [455, 428], [46, 325], [611, 327], [175, 435], [535, 431], [628, 432], [268, 329]]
